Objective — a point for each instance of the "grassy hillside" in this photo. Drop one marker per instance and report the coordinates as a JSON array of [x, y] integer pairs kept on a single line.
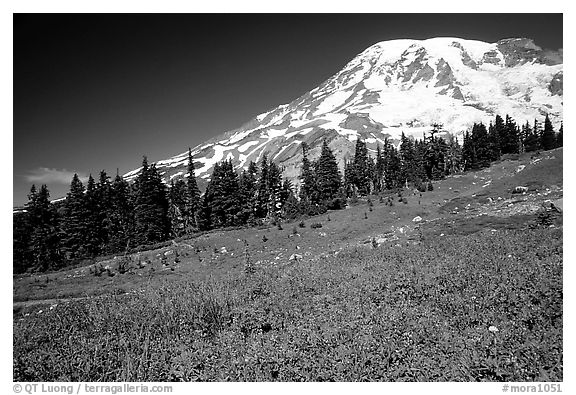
[[471, 292]]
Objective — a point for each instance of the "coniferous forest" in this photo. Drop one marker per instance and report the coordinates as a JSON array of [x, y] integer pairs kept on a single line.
[[108, 216]]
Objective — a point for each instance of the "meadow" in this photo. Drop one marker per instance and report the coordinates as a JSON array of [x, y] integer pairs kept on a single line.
[[473, 292], [486, 306]]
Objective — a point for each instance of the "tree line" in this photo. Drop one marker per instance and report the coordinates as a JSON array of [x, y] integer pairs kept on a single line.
[[109, 216]]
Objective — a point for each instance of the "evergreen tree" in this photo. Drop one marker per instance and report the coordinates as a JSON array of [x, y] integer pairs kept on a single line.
[[327, 175], [379, 169], [274, 190], [481, 145], [361, 172], [308, 187], [177, 196], [151, 206], [560, 136], [468, 152], [74, 221], [349, 179], [435, 155], [407, 160], [104, 207], [190, 213], [205, 213], [510, 137], [531, 139], [92, 220], [494, 145], [247, 184], [393, 175], [453, 155], [22, 256], [548, 139], [291, 208], [287, 191], [263, 191], [44, 240], [224, 196], [121, 217], [501, 131]]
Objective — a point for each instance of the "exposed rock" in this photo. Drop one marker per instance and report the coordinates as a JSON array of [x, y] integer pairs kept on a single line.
[[491, 57], [417, 219], [522, 50], [466, 59], [425, 74], [557, 83], [445, 75]]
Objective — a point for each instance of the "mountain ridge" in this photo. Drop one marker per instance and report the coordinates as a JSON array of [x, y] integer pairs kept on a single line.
[[392, 87]]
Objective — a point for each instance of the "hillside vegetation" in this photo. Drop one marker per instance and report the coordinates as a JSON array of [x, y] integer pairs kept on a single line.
[[471, 292]]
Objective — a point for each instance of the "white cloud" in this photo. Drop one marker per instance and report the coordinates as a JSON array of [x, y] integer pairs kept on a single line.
[[44, 175]]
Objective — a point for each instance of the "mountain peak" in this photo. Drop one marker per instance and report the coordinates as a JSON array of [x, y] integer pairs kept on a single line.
[[394, 86]]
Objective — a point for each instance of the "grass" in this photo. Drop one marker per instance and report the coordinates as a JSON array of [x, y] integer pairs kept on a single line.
[[416, 305], [416, 313]]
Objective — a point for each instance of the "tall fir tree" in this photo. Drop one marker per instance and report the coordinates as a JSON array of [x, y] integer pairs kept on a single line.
[[22, 257], [531, 139], [510, 139], [121, 218], [308, 186], [104, 205], [93, 224], [379, 169], [393, 175], [548, 139], [263, 191], [151, 206], [223, 196], [247, 191], [481, 145], [468, 152], [74, 222], [190, 213], [44, 239], [501, 132], [494, 145], [274, 190], [560, 136], [177, 196], [407, 160], [327, 175], [361, 172]]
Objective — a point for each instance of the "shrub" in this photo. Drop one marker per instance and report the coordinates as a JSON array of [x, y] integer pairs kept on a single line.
[[430, 186], [336, 204], [302, 224], [316, 225], [404, 200]]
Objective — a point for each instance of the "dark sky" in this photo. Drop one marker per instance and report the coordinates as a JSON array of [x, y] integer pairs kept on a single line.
[[97, 91]]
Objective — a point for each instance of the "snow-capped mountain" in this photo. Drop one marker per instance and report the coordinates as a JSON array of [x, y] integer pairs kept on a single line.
[[393, 87]]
